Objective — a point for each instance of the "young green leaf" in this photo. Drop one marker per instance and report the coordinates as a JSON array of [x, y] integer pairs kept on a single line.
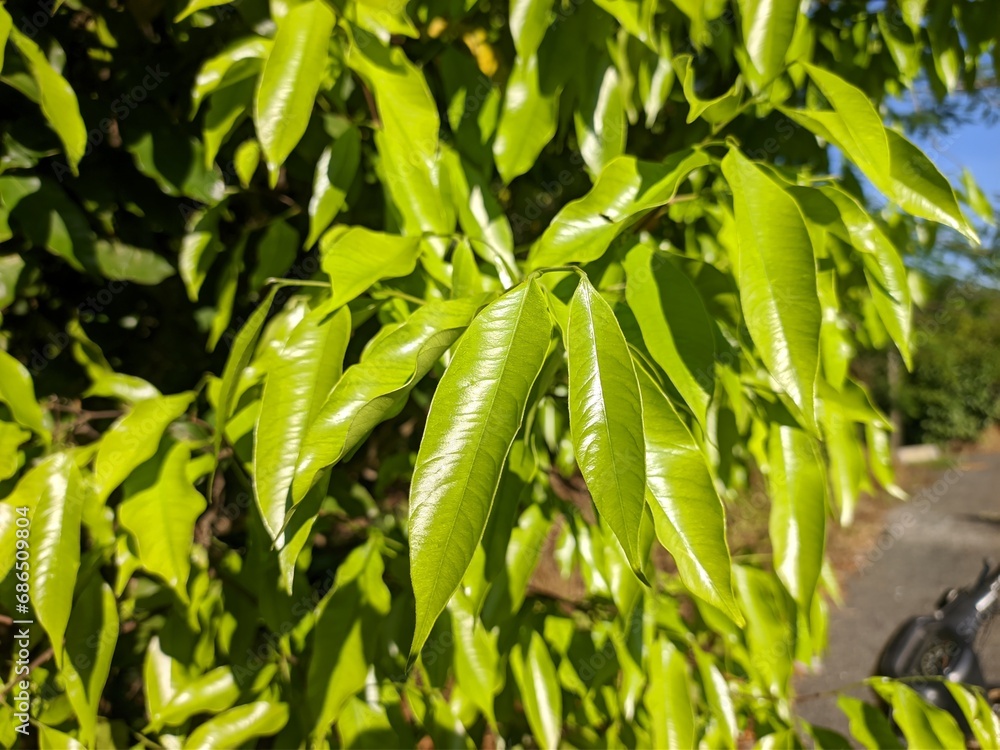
[[690, 519], [162, 518], [476, 412], [310, 364], [605, 413], [345, 635], [18, 393], [335, 172], [675, 325], [237, 726], [798, 510], [355, 258], [541, 695], [668, 697], [212, 692], [291, 79], [777, 279], [90, 644], [868, 724], [767, 33], [376, 386], [55, 544], [584, 228], [133, 439], [57, 99]]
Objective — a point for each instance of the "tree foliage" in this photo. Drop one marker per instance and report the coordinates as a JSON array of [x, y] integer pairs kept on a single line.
[[334, 330]]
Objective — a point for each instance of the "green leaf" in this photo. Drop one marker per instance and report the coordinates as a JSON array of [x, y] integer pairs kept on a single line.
[[240, 60], [227, 108], [238, 725], [583, 229], [245, 161], [345, 635], [133, 439], [690, 519], [57, 99], [11, 438], [476, 412], [408, 141], [675, 325], [777, 280], [482, 218], [797, 524], [767, 33], [239, 357], [162, 517], [309, 365], [105, 381], [355, 258], [335, 172], [477, 660], [668, 697], [528, 120], [90, 645], [605, 413], [53, 739], [923, 724], [291, 79], [6, 23], [601, 127], [540, 692], [868, 724], [980, 716], [372, 389], [277, 249], [18, 393], [55, 544], [718, 111], [210, 693]]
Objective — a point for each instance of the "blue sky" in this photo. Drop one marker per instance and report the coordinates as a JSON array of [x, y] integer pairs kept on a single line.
[[976, 146]]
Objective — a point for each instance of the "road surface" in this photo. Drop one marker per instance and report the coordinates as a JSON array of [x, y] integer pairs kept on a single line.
[[935, 541]]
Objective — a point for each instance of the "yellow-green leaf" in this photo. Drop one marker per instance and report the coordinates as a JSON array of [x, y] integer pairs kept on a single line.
[[476, 412]]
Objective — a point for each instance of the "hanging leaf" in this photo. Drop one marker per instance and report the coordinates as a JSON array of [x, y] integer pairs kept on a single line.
[[162, 517], [605, 413], [690, 520], [777, 280], [291, 79], [798, 510], [675, 325], [476, 412]]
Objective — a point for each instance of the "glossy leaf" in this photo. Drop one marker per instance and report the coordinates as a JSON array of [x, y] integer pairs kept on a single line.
[[335, 172], [355, 258], [212, 692], [777, 279], [310, 364], [476, 412], [18, 393], [668, 697], [584, 228], [55, 544], [371, 389], [539, 684], [605, 412], [291, 79], [345, 635], [162, 517], [134, 438], [675, 325], [56, 97], [236, 726], [798, 510], [90, 644], [690, 520], [767, 33]]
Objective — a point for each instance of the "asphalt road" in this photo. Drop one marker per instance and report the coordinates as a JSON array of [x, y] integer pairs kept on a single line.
[[936, 541]]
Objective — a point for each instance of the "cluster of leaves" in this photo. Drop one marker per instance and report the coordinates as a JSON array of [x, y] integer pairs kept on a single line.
[[466, 274]]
